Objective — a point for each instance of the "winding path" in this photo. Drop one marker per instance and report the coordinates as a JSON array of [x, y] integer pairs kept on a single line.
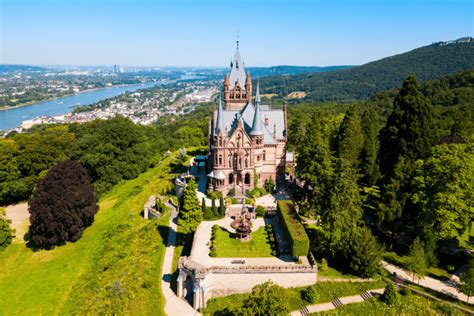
[[446, 287], [173, 304]]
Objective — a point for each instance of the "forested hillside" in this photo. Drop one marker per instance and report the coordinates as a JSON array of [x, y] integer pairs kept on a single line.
[[290, 70], [428, 62], [401, 163]]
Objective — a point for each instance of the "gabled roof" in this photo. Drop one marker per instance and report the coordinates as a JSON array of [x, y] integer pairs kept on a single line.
[[257, 128]]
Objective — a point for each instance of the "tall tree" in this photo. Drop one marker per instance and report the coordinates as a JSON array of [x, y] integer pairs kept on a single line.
[[221, 206], [343, 208], [417, 264], [409, 131], [62, 207], [190, 214], [314, 162], [368, 166], [349, 139]]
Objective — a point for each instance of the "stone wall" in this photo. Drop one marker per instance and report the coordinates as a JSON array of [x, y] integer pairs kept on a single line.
[[226, 284]]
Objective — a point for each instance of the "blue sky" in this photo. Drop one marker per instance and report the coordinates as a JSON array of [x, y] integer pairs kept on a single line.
[[203, 33]]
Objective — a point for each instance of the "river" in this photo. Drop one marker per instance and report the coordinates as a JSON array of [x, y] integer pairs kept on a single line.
[[14, 117]]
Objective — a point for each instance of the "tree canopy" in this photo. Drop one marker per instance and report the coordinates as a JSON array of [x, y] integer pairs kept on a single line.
[[63, 205]]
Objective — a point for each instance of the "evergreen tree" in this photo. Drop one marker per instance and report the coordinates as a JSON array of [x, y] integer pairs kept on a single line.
[[190, 215], [417, 264], [62, 207], [349, 139], [214, 210], [221, 206], [368, 166], [343, 210], [266, 299], [409, 131], [466, 285], [206, 212], [364, 253], [390, 295]]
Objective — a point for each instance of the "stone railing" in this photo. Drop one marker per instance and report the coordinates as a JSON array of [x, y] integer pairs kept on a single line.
[[198, 269]]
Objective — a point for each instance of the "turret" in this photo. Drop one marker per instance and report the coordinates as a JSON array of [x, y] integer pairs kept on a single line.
[[257, 128], [219, 120], [248, 86]]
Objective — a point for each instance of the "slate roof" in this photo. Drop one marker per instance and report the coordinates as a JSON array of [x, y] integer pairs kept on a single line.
[[237, 71], [275, 118]]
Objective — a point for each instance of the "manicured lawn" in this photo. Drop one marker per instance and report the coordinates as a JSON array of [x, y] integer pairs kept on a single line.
[[113, 268], [227, 246], [410, 305], [328, 291]]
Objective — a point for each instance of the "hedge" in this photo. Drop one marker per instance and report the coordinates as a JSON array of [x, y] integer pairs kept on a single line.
[[294, 230]]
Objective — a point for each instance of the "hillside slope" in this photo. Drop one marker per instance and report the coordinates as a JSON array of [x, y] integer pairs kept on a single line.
[[113, 268], [428, 62]]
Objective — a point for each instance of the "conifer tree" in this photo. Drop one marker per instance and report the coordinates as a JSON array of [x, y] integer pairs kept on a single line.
[[368, 166], [409, 131], [190, 215], [214, 211], [390, 295], [363, 253], [349, 139], [221, 206]]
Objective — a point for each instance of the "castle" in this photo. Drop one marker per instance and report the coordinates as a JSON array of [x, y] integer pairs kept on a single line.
[[247, 139]]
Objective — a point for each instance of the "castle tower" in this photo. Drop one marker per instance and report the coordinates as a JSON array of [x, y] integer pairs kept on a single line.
[[237, 85]]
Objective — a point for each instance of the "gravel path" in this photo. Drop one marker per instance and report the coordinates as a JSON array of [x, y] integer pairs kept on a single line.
[[173, 304], [20, 218], [446, 287]]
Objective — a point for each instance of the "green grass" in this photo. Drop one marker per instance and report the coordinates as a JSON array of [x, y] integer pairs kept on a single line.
[[410, 305], [328, 291], [114, 267], [330, 272], [227, 246]]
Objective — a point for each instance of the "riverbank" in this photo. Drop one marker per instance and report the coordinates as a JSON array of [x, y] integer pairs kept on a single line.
[[69, 95]]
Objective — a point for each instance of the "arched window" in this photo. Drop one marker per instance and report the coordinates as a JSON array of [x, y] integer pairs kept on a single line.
[[258, 157], [246, 161], [264, 156], [231, 178], [247, 178], [220, 160]]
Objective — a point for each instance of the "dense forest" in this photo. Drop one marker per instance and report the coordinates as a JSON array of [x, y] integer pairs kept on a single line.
[[400, 165], [427, 63], [110, 150]]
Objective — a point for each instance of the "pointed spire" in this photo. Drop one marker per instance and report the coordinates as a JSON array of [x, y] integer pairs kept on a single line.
[[257, 128], [220, 120]]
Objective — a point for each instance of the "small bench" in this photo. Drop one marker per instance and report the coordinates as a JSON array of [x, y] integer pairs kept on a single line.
[[238, 262]]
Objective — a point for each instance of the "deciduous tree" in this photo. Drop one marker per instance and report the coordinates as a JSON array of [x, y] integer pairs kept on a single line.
[[62, 207], [265, 299]]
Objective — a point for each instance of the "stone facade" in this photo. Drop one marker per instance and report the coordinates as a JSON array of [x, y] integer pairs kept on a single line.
[[247, 139]]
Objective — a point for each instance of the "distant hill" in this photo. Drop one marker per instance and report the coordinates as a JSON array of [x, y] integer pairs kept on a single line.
[[290, 70], [427, 63], [4, 68]]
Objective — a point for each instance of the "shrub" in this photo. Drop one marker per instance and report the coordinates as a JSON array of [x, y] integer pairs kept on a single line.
[[266, 299], [324, 265], [310, 294], [390, 296], [294, 230], [213, 253], [261, 211]]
